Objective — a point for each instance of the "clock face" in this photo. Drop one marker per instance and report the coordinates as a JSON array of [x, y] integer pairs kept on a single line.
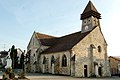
[[86, 27]]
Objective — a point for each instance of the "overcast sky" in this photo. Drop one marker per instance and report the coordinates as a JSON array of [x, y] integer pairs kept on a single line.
[[20, 18]]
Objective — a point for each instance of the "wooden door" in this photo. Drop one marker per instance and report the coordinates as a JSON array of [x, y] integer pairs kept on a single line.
[[100, 71], [85, 70]]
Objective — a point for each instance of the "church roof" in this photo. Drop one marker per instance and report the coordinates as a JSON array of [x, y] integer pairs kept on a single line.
[[48, 42], [66, 42], [90, 7], [42, 36], [116, 58], [90, 10]]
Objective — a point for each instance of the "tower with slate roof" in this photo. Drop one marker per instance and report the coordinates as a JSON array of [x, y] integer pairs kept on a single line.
[[90, 17]]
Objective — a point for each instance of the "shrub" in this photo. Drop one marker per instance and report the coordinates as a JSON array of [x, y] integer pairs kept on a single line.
[[11, 75], [8, 70]]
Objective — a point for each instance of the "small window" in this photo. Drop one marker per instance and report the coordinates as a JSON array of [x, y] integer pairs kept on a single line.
[[92, 46], [64, 61], [99, 49], [73, 58], [34, 55], [89, 21], [84, 21], [94, 21]]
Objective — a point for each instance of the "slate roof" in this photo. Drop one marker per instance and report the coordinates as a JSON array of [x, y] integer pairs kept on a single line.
[[46, 40], [90, 7], [66, 42], [90, 10], [116, 58], [43, 36]]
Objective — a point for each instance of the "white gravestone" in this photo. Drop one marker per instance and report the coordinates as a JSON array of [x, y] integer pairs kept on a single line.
[[9, 61]]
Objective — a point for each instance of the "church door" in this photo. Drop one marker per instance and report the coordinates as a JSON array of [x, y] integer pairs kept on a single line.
[[85, 70], [99, 71]]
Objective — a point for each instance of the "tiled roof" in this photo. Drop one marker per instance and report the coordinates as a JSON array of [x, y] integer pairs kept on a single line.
[[45, 39], [66, 42], [63, 43], [116, 58], [42, 36], [48, 42]]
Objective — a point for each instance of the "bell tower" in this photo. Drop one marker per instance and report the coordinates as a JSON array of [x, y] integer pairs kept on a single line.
[[90, 17]]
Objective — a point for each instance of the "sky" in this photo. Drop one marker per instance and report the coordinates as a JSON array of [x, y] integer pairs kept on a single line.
[[20, 18]]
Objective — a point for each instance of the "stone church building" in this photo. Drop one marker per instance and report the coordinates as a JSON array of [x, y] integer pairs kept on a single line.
[[80, 54]]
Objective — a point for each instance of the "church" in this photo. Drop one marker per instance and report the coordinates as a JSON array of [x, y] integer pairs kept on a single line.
[[80, 54]]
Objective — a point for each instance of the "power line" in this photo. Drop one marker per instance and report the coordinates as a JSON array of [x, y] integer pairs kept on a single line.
[[3, 46]]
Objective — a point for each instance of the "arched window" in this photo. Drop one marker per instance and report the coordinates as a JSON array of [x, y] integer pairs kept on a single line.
[[34, 55], [64, 61], [52, 60], [44, 60], [92, 46], [73, 58], [99, 49]]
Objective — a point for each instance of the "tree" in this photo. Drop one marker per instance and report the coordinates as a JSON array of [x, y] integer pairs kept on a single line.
[[13, 55], [15, 59], [22, 61]]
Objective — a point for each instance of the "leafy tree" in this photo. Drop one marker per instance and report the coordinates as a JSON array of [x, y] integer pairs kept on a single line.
[[15, 59], [13, 55], [22, 61]]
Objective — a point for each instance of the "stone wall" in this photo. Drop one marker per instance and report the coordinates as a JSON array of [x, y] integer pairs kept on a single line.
[[87, 56], [58, 63], [32, 47], [114, 65]]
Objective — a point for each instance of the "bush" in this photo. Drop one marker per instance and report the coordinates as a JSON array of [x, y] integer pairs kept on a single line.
[[8, 73], [8, 70], [11, 75]]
